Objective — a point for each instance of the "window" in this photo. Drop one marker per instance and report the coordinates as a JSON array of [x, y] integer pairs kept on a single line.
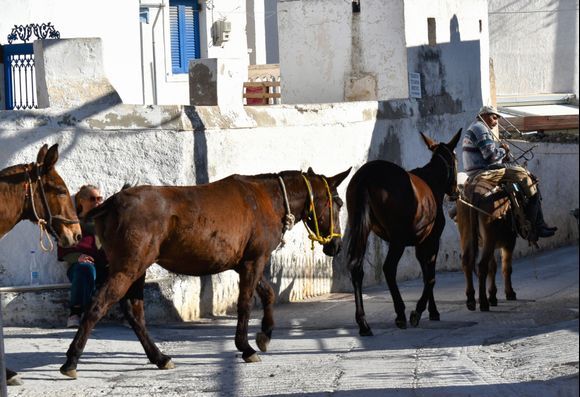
[[184, 26]]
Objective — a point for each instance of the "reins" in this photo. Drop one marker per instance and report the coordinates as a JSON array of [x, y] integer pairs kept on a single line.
[[474, 207]]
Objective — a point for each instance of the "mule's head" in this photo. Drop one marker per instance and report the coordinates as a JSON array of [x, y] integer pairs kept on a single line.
[[446, 153], [51, 199], [323, 211]]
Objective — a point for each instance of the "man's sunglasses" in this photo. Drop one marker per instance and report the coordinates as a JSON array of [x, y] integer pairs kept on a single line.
[[96, 199]]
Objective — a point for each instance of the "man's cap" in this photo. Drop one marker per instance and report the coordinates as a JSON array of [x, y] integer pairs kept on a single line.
[[488, 109]]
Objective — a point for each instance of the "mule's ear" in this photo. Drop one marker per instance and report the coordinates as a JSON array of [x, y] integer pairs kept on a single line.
[[41, 154], [453, 142], [336, 180], [428, 141], [51, 158], [310, 171]]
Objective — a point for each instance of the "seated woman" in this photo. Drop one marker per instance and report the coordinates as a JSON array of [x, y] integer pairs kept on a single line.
[[86, 262]]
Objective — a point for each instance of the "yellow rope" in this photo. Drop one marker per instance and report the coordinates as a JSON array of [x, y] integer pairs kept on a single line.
[[316, 236], [44, 232]]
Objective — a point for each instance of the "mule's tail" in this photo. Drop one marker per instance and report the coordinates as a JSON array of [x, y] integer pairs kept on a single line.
[[359, 223]]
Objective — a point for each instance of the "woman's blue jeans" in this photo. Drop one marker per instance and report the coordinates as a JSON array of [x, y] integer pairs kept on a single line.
[[82, 276]]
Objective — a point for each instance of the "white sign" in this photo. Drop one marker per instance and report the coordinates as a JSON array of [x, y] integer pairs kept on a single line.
[[415, 85]]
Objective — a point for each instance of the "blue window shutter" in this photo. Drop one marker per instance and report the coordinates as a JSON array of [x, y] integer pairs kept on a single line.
[[184, 27], [191, 34], [175, 47]]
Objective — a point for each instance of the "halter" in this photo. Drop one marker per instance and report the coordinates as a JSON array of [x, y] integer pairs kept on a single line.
[[312, 209], [44, 226]]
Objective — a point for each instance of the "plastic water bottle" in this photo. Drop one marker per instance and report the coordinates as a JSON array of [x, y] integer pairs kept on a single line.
[[34, 269]]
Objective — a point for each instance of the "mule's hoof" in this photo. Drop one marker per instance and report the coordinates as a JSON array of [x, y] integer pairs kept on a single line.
[[71, 373], [262, 341], [434, 317], [14, 381], [414, 318], [484, 308], [470, 305], [168, 365], [402, 324], [365, 332], [511, 297], [493, 301], [254, 358]]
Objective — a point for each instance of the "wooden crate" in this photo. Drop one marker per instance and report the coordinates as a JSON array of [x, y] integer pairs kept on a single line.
[[261, 92]]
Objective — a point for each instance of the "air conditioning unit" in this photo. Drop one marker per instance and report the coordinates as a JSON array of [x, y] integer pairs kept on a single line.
[[221, 31]]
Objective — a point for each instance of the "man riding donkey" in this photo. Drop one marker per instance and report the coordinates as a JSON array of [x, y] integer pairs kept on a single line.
[[487, 159]]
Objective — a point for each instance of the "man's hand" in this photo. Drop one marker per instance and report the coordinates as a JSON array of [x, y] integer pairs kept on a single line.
[[86, 258]]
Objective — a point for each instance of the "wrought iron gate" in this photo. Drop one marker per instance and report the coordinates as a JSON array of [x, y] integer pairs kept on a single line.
[[18, 59], [20, 79]]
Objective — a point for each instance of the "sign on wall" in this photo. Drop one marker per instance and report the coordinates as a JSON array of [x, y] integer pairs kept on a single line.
[[415, 85]]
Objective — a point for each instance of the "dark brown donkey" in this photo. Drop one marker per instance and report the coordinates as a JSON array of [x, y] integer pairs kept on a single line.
[[37, 193], [404, 209], [234, 223], [489, 225]]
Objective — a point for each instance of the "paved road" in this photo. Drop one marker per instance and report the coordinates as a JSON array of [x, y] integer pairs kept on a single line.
[[527, 347]]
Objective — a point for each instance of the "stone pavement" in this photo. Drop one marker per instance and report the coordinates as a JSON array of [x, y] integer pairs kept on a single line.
[[527, 347]]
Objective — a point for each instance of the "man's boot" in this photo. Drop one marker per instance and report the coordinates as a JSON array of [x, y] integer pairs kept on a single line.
[[535, 215]]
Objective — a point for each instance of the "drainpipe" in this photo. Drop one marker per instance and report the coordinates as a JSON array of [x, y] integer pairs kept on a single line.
[[159, 6], [142, 60]]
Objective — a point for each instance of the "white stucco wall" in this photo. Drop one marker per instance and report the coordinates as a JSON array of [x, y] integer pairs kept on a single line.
[[314, 49], [534, 46], [116, 22], [330, 54], [382, 55]]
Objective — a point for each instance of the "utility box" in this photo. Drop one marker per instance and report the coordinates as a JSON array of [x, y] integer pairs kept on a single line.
[[221, 31]]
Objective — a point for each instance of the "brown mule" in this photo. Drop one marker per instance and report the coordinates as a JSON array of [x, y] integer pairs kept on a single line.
[[37, 193], [404, 209], [488, 228], [234, 223]]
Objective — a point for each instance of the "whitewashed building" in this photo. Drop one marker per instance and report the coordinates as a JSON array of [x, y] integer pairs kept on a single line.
[[146, 44]]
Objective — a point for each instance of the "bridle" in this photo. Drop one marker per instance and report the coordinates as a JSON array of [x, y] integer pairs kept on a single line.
[[45, 226], [312, 210], [448, 167], [289, 217]]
